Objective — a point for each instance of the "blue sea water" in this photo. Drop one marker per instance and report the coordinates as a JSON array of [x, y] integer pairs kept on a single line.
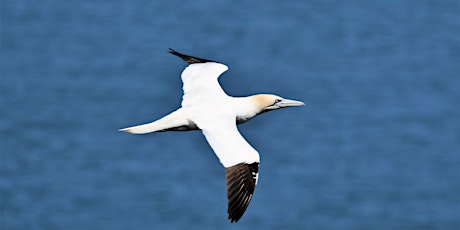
[[376, 146]]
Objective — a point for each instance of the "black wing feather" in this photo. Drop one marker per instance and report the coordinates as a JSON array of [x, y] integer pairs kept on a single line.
[[241, 183], [189, 59]]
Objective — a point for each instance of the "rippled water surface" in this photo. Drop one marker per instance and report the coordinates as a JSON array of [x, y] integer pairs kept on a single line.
[[376, 147]]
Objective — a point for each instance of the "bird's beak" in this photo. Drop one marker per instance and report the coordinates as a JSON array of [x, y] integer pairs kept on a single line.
[[284, 103], [288, 103]]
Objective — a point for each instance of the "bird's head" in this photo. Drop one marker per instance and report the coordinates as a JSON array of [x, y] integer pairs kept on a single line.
[[267, 102]]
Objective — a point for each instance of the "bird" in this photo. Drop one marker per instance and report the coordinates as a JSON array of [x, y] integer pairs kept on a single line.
[[205, 106]]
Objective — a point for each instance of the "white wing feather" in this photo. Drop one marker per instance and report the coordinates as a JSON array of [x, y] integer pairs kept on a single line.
[[228, 144], [200, 83]]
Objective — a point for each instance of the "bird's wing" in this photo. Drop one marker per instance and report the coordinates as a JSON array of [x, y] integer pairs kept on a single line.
[[211, 111], [200, 82], [241, 183], [240, 159], [189, 59]]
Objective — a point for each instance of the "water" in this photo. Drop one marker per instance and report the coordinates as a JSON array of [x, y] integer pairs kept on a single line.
[[376, 147]]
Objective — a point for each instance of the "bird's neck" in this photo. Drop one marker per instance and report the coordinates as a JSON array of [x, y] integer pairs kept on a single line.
[[245, 109]]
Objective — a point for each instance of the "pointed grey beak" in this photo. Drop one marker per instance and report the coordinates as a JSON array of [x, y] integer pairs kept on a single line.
[[288, 103], [285, 103]]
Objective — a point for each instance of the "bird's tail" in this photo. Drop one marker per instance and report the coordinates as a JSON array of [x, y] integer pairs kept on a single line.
[[176, 120], [142, 129]]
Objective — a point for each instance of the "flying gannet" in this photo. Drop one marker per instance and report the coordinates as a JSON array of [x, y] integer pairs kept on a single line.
[[206, 106]]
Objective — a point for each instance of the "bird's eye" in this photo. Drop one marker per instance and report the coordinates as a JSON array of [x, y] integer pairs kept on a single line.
[[277, 101]]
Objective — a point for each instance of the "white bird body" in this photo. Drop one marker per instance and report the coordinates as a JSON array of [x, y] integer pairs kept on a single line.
[[180, 120], [207, 107]]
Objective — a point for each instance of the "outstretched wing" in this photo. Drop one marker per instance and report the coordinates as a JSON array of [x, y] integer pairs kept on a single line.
[[189, 59], [212, 113], [201, 84], [240, 159], [200, 79], [241, 183]]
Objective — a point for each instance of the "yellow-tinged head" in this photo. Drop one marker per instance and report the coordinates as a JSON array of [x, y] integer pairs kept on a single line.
[[267, 102]]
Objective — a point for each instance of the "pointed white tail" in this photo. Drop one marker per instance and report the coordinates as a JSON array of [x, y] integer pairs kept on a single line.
[[175, 119], [141, 129]]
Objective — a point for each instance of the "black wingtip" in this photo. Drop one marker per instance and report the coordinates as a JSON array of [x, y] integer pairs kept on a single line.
[[241, 181], [189, 59], [171, 51]]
